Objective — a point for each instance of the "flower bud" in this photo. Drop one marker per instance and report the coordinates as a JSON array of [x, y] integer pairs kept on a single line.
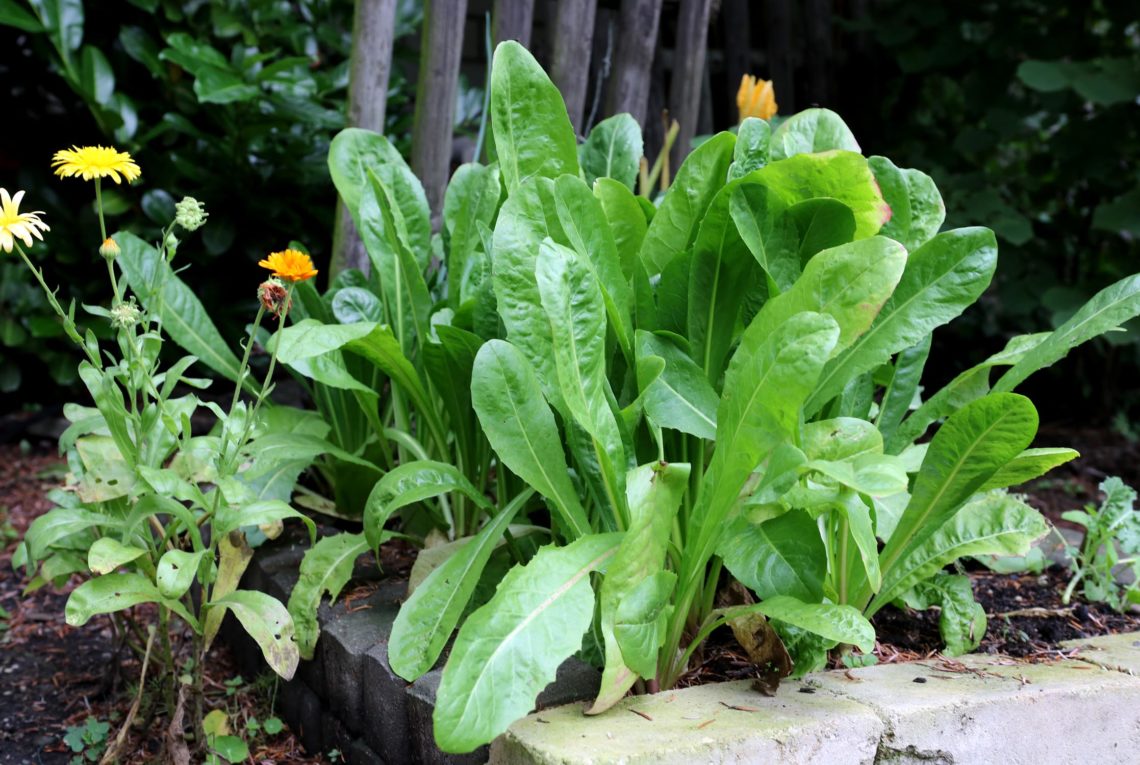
[[125, 315], [109, 249], [274, 297], [190, 214]]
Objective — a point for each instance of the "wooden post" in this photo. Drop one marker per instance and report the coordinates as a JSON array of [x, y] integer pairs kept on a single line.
[[629, 89], [817, 20], [512, 20], [688, 72], [736, 25], [373, 29], [573, 40], [441, 49], [778, 19]]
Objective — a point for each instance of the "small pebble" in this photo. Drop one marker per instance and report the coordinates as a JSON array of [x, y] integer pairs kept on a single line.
[[920, 680]]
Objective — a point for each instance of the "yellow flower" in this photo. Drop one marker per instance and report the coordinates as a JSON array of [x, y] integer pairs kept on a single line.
[[95, 162], [290, 265], [756, 98], [15, 224]]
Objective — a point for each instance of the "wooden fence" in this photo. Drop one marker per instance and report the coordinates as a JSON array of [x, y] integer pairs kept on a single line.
[[684, 58]]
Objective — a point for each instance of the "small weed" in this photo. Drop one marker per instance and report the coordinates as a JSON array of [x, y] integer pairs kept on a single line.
[[87, 740]]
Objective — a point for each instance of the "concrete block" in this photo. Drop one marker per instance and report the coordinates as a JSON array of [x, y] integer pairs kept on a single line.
[[356, 752], [385, 706], [334, 734], [969, 710], [421, 704], [300, 707], [1116, 652], [723, 723], [344, 641], [575, 681]]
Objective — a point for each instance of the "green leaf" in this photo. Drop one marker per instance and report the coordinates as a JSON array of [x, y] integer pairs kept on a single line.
[[961, 620], [448, 364], [902, 391], [261, 513], [352, 152], [63, 20], [850, 283], [941, 279], [108, 399], [14, 15], [428, 616], [176, 572], [782, 556], [533, 135], [96, 77], [612, 150], [234, 556], [680, 396], [326, 567], [840, 175], [1107, 310], [269, 624], [812, 131], [766, 383], [520, 427], [917, 209], [626, 221], [698, 180], [410, 483], [965, 453], [276, 448], [654, 493], [353, 304], [114, 592], [838, 623], [1028, 465], [509, 650], [575, 311], [164, 294], [232, 748], [994, 523], [822, 223], [57, 524], [641, 622], [472, 198], [753, 140], [770, 234], [107, 554]]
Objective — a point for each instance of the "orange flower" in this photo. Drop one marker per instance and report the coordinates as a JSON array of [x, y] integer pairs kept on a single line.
[[290, 265], [756, 98]]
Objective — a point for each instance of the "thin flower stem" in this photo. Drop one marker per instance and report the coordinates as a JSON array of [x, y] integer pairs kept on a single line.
[[68, 323], [99, 208]]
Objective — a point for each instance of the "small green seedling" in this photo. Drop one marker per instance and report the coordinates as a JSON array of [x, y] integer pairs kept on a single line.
[[1111, 546], [87, 740]]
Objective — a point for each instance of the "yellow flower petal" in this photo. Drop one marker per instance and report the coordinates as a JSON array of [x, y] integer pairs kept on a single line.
[[89, 162], [756, 98], [290, 265], [17, 225]]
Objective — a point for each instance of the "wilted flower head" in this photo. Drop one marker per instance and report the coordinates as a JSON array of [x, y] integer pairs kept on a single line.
[[109, 249], [190, 214], [125, 315], [290, 265], [89, 162], [274, 296], [756, 98], [17, 225]]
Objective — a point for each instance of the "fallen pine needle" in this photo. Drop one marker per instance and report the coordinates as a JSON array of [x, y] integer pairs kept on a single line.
[[639, 713]]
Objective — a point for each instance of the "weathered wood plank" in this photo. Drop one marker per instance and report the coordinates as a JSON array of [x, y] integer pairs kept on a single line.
[[573, 40], [370, 65], [778, 20], [735, 23], [441, 48], [688, 72], [817, 20], [630, 80], [512, 20]]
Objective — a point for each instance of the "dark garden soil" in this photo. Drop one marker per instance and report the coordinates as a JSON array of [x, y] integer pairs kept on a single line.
[[53, 677]]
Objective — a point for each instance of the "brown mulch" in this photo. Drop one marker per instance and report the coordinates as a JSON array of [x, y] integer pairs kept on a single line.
[[53, 676]]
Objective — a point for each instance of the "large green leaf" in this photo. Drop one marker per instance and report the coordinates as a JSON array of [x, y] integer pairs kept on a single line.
[[510, 649], [961, 619], [812, 131], [114, 592], [165, 295], [770, 234], [448, 364], [765, 386], [994, 523], [679, 396], [1028, 465], [575, 311], [326, 567], [782, 556], [176, 572], [837, 623], [917, 210], [59, 523], [654, 494], [612, 150], [941, 279], [352, 152], [841, 175], [626, 220], [108, 553], [533, 134], [965, 453], [428, 616], [521, 428], [410, 483], [822, 223], [270, 626], [753, 140], [1106, 310], [698, 180], [14, 15], [472, 198], [261, 513], [902, 390], [850, 283]]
